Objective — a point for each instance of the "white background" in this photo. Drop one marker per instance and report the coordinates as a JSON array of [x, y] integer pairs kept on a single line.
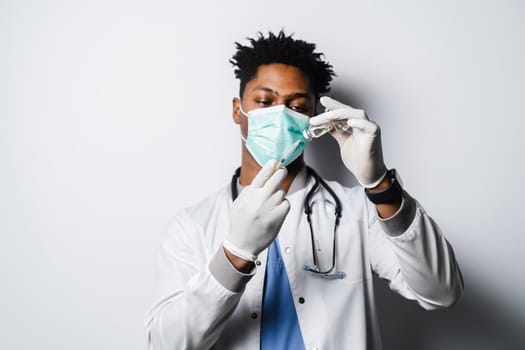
[[115, 114]]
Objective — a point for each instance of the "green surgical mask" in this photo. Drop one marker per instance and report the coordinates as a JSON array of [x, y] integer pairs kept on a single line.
[[272, 131]]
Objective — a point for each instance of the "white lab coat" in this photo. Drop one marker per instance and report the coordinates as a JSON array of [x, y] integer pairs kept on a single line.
[[196, 311]]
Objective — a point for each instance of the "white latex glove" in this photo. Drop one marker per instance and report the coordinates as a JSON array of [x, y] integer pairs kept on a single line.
[[257, 214], [360, 147]]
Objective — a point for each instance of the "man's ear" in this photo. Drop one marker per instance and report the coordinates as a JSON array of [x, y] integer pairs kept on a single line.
[[236, 113]]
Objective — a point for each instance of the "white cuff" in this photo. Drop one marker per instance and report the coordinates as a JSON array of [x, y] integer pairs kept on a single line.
[[239, 252]]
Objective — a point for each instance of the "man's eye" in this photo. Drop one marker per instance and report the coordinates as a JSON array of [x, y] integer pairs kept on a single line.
[[264, 102], [301, 109]]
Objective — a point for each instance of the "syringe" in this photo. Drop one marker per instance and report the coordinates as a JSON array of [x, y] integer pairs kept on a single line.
[[286, 155], [284, 158]]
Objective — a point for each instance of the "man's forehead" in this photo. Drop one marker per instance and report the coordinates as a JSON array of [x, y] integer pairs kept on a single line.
[[296, 93], [279, 79]]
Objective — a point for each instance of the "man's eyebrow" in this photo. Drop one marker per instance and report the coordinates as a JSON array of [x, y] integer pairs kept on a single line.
[[300, 95], [263, 88], [291, 96]]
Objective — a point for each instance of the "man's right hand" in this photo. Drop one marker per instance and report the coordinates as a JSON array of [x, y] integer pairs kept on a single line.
[[257, 214]]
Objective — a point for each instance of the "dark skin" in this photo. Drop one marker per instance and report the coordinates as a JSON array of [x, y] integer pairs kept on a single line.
[[276, 84]]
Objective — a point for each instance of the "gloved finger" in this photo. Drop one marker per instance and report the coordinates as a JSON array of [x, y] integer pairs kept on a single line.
[[339, 136], [332, 104], [338, 114], [274, 181], [281, 210], [275, 199], [363, 125], [263, 174]]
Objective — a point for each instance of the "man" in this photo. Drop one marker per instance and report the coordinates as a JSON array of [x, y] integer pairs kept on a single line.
[[282, 259]]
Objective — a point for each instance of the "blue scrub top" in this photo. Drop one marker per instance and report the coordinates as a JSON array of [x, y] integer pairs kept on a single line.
[[279, 325]]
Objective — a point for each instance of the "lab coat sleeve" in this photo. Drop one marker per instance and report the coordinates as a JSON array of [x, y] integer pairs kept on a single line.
[[410, 251], [197, 295]]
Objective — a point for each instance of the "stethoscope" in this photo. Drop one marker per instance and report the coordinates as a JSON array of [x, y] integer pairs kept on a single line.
[[308, 211]]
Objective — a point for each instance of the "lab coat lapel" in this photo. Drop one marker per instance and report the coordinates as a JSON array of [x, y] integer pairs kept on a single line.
[[295, 244]]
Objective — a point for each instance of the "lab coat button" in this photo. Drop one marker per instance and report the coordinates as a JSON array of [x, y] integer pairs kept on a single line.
[[287, 250], [301, 300], [258, 262], [254, 315]]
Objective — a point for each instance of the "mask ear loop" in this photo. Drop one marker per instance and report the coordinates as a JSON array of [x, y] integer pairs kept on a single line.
[[244, 114]]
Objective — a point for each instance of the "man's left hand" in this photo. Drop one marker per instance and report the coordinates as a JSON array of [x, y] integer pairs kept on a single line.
[[360, 146]]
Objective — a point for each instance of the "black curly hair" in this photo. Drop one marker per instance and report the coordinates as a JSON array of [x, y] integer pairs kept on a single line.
[[284, 49]]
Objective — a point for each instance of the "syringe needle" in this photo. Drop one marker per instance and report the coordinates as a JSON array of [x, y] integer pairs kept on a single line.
[[284, 158], [287, 155]]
